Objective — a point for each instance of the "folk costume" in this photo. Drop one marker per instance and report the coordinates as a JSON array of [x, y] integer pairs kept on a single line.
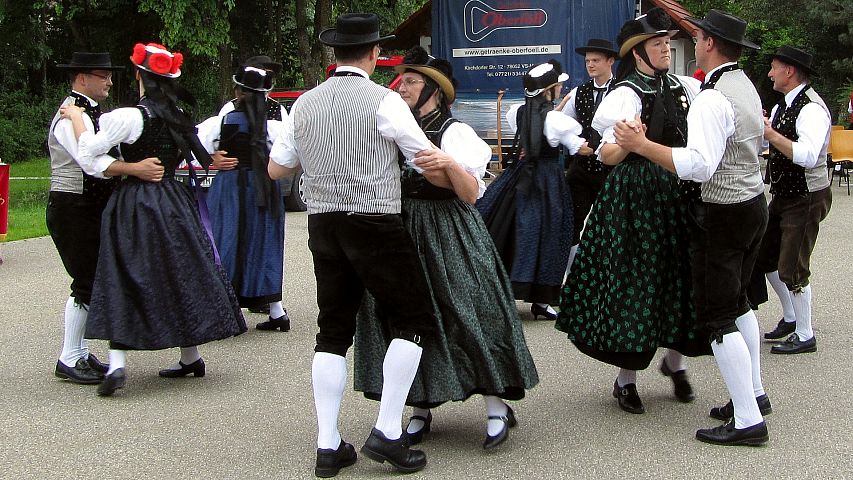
[[725, 126], [157, 284], [629, 290], [357, 237], [78, 194], [246, 211], [802, 198], [479, 347], [528, 208], [585, 174]]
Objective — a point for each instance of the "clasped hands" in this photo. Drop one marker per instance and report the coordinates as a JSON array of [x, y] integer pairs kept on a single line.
[[630, 134]]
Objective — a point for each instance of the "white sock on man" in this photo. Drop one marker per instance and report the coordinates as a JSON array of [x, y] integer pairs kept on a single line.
[[73, 344], [732, 356], [398, 372], [415, 424], [803, 308], [675, 361], [118, 359], [747, 325], [495, 407], [626, 377], [784, 295], [277, 311], [328, 377]]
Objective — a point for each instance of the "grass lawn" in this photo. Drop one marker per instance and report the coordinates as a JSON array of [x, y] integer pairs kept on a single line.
[[28, 199]]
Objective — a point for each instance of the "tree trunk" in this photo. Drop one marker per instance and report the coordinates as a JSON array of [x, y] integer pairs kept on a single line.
[[314, 55]]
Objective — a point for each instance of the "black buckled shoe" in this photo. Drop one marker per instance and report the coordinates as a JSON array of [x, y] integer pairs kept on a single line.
[[680, 385], [418, 437], [196, 368], [97, 365], [395, 452], [537, 310], [282, 323], [509, 422], [794, 345], [112, 382], [81, 373], [628, 398], [330, 461], [727, 411], [782, 330], [728, 435]]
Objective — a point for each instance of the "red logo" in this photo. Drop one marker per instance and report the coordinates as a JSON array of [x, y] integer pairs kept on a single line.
[[482, 19]]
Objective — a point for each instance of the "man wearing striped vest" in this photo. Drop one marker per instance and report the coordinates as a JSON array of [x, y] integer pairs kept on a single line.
[[725, 128], [346, 133]]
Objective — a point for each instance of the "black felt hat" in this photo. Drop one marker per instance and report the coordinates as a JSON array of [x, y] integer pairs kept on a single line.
[[262, 61], [352, 30], [438, 69], [796, 57], [598, 45], [655, 23], [90, 61], [254, 78], [726, 26], [542, 76]]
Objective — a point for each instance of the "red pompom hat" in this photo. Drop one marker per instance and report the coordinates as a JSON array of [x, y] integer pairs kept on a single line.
[[155, 58]]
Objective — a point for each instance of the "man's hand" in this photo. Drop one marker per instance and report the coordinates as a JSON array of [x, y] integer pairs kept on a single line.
[[221, 162], [434, 159], [630, 134], [149, 169], [585, 150], [770, 134]]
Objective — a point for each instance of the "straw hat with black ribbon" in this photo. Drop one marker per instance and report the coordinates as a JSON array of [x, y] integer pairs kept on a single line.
[[436, 70], [655, 23]]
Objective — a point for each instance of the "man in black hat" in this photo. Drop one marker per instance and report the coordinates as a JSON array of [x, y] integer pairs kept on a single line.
[[585, 173], [725, 128], [800, 185], [346, 133], [78, 193]]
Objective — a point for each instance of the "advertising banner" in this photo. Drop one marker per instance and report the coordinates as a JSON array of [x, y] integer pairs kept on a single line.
[[491, 43]]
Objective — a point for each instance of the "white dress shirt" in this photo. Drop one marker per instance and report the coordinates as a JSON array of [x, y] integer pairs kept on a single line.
[[64, 133], [123, 125], [813, 127], [210, 129], [559, 129], [461, 142]]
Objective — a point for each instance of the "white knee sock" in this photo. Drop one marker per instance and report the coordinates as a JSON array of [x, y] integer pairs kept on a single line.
[[626, 377], [495, 407], [747, 325], [277, 311], [189, 355], [73, 344], [675, 361], [118, 359], [416, 425], [784, 295], [803, 307], [572, 252], [734, 362], [329, 377], [398, 373]]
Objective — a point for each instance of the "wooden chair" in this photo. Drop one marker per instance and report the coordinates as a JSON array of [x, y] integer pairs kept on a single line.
[[841, 145]]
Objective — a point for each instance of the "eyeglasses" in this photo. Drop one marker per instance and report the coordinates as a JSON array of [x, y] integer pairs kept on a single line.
[[107, 78], [411, 82]]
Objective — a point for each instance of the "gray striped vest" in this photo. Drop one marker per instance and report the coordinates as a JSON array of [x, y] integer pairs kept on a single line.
[[738, 178], [347, 164]]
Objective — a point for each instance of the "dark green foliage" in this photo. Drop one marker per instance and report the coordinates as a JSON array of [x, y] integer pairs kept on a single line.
[[24, 121]]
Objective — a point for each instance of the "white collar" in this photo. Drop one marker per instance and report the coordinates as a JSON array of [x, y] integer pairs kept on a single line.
[[350, 68], [605, 83], [91, 102], [790, 96], [708, 74]]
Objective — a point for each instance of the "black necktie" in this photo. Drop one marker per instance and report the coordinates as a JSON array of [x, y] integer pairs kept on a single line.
[[599, 95], [780, 110]]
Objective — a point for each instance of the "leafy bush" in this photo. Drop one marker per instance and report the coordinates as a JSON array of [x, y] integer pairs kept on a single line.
[[24, 120]]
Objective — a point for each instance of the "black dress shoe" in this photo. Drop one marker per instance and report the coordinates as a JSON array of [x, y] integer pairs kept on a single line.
[[727, 434], [537, 310], [727, 411], [81, 373], [628, 398], [97, 365], [196, 368], [395, 452], [418, 437], [509, 422], [680, 385], [782, 330], [330, 461], [112, 382], [282, 322], [794, 345]]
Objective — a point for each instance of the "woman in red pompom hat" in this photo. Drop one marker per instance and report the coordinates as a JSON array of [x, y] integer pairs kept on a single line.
[[159, 283]]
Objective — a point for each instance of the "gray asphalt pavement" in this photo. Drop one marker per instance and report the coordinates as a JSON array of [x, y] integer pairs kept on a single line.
[[252, 416]]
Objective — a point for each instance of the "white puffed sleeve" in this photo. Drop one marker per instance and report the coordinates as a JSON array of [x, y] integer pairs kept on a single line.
[[461, 142]]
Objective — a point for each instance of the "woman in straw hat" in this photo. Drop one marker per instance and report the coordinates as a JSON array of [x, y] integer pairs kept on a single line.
[[158, 284], [480, 346], [629, 291], [246, 212], [528, 209]]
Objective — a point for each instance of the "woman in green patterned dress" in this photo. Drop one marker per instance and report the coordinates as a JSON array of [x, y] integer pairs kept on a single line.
[[480, 346], [629, 292]]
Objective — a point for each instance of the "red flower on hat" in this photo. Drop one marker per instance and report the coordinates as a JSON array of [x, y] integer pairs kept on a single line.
[[138, 54], [160, 63], [177, 61]]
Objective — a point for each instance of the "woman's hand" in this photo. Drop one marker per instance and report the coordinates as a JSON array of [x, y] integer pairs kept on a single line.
[[585, 150], [221, 162], [70, 111]]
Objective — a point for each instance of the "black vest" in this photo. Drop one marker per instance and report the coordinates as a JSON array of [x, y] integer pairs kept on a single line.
[[413, 184], [585, 110], [155, 141], [98, 189], [787, 179], [235, 137], [273, 109]]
